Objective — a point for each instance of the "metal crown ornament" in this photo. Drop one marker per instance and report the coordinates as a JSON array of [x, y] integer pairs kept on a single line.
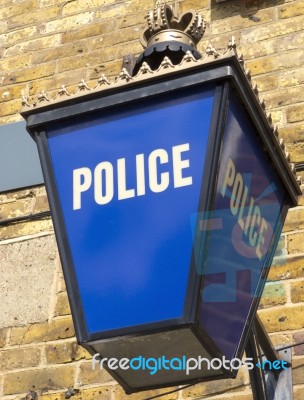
[[164, 24], [169, 35]]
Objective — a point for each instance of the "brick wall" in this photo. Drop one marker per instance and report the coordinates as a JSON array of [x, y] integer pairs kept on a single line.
[[47, 43]]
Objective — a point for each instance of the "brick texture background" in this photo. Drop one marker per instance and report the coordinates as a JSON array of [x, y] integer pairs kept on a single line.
[[47, 43]]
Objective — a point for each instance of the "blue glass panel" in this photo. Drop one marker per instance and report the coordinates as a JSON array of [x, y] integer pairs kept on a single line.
[[128, 224], [240, 230]]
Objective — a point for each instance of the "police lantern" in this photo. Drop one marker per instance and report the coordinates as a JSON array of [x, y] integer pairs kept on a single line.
[[168, 191]]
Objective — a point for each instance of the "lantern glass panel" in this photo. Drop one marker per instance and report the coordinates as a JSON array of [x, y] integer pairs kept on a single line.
[[128, 181], [242, 231]]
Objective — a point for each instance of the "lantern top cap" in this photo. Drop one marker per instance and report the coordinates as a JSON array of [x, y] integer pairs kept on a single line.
[[165, 24]]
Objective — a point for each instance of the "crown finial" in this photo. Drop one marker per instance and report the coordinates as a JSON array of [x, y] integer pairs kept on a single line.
[[164, 24], [169, 35]]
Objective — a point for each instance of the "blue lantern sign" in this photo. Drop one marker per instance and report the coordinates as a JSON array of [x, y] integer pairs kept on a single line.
[[131, 184], [168, 194]]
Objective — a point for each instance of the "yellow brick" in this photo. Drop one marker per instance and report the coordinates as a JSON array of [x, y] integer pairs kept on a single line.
[[288, 60], [9, 93], [283, 97], [213, 387], [54, 83], [297, 392], [277, 116], [41, 203], [292, 133], [219, 11], [10, 107], [66, 23], [58, 329], [61, 285], [3, 27], [78, 6], [294, 220], [199, 5], [65, 352], [110, 11], [101, 393], [53, 396], [271, 30], [281, 340], [259, 49], [295, 243], [289, 42], [17, 8], [119, 394], [273, 295], [16, 62], [291, 78], [16, 208], [111, 69], [61, 52], [19, 358], [290, 268], [62, 305], [297, 291], [280, 250], [10, 119], [3, 336], [233, 396], [137, 19], [296, 152], [123, 8], [218, 42], [84, 60], [291, 10], [88, 31], [237, 22], [60, 377], [47, 3], [88, 376], [298, 371], [29, 74], [13, 37], [121, 36], [35, 17], [283, 318], [96, 393], [26, 228], [33, 45], [17, 195], [295, 113]]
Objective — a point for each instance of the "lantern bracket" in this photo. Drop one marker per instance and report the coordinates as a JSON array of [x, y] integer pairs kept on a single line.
[[270, 383]]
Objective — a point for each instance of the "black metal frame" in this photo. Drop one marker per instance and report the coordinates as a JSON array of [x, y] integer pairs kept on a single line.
[[259, 339], [222, 73], [256, 374]]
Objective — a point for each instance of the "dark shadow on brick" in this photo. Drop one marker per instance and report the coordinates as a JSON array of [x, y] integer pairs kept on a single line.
[[245, 8]]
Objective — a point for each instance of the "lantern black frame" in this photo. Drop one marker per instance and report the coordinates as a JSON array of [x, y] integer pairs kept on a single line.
[[226, 74]]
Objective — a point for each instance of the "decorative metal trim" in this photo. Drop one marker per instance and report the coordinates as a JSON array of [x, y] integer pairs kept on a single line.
[[145, 73], [210, 51]]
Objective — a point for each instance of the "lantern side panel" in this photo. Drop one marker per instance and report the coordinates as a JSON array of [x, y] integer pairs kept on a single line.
[[242, 232]]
